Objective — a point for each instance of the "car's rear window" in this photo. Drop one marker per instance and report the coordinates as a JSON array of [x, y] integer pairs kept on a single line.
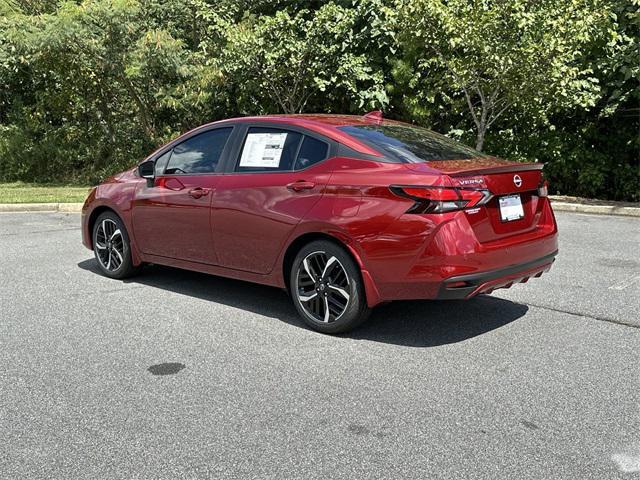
[[410, 144]]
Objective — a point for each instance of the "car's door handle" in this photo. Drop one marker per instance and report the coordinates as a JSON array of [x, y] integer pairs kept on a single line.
[[300, 185], [198, 192]]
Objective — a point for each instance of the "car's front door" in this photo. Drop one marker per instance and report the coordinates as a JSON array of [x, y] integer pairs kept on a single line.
[[277, 177], [172, 218]]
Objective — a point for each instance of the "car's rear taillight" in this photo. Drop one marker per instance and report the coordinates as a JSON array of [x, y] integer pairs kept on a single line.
[[441, 199], [543, 189], [543, 186]]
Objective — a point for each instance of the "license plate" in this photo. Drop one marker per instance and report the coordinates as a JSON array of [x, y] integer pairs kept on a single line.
[[511, 208]]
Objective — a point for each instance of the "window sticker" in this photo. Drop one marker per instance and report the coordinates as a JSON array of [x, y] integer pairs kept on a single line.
[[263, 150]]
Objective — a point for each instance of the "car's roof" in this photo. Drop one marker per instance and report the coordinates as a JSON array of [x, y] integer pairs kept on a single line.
[[317, 118]]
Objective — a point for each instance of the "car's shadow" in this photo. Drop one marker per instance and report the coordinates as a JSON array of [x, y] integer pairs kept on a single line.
[[410, 323]]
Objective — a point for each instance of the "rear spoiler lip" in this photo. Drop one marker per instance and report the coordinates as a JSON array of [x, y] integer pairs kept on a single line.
[[501, 169]]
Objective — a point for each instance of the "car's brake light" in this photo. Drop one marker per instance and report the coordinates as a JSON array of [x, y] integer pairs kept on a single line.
[[441, 199], [543, 189]]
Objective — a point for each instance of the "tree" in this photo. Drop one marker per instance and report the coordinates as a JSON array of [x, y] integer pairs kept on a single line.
[[91, 85], [88, 87], [282, 62], [619, 57], [503, 55]]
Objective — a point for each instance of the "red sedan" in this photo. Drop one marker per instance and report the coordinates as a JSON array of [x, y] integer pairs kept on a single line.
[[345, 212]]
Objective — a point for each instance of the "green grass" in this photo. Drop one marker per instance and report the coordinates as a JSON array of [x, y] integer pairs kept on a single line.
[[19, 192]]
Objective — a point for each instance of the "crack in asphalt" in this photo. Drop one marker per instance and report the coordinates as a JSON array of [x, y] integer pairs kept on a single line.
[[593, 317], [37, 231], [99, 292]]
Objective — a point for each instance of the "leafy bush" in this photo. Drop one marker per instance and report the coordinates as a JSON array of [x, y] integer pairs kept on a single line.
[[91, 87]]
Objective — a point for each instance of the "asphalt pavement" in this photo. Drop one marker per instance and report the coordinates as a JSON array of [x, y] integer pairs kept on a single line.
[[175, 374]]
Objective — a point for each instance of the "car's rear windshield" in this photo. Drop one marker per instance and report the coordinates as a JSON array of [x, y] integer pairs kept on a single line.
[[410, 144]]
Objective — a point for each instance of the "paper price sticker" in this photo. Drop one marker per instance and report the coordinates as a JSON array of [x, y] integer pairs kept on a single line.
[[263, 150]]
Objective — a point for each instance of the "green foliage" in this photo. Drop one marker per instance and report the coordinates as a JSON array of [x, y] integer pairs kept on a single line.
[[292, 60], [91, 87], [620, 65], [503, 56]]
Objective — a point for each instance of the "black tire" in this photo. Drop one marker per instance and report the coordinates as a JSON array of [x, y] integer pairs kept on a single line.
[[311, 292], [112, 251]]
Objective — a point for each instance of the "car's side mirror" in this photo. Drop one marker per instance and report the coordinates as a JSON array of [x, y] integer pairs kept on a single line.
[[148, 170]]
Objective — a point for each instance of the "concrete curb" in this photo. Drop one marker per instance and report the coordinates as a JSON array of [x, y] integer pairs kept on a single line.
[[41, 207], [559, 206]]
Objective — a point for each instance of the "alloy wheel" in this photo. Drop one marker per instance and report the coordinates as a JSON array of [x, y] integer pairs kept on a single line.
[[109, 245], [322, 287]]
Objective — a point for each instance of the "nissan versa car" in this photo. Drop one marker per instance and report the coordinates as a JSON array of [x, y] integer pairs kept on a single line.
[[345, 212]]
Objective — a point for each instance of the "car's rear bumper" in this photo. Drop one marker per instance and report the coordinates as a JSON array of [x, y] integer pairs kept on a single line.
[[425, 259], [466, 286]]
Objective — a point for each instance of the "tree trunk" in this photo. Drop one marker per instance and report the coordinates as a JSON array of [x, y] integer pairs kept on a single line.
[[195, 33], [483, 123], [145, 118], [480, 138], [480, 121]]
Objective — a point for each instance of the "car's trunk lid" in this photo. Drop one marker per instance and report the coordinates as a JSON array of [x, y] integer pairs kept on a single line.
[[502, 178]]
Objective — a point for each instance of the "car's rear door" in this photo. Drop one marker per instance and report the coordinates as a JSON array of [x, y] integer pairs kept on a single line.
[[172, 217], [275, 176]]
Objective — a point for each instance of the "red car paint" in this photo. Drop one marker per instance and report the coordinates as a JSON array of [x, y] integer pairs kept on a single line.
[[245, 225]]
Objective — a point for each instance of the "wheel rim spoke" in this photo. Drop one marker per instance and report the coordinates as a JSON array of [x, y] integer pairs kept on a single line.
[[327, 312], [308, 269], [120, 260], [327, 268], [323, 296], [341, 291], [306, 298]]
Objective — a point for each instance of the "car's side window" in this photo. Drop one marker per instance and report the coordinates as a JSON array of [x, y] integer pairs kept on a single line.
[[200, 153], [274, 149], [311, 151], [161, 162], [268, 150]]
